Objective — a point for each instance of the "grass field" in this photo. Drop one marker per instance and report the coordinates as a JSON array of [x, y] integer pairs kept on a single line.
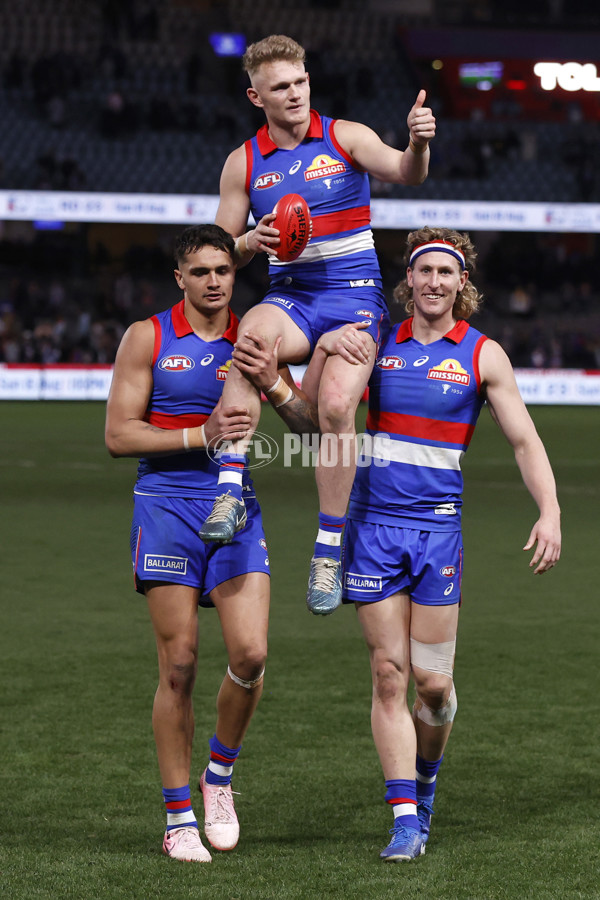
[[82, 816]]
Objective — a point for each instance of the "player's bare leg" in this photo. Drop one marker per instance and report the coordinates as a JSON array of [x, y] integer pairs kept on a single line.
[[174, 614], [386, 628], [435, 704], [341, 387], [243, 607], [228, 514]]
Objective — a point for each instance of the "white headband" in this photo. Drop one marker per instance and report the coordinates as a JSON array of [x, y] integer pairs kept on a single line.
[[438, 246]]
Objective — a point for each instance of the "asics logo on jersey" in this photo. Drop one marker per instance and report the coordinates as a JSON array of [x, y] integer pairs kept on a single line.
[[270, 179], [206, 360], [176, 364], [448, 571], [295, 167], [421, 361], [390, 362]]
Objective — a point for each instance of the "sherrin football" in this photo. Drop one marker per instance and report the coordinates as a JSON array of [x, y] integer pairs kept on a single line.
[[292, 218]]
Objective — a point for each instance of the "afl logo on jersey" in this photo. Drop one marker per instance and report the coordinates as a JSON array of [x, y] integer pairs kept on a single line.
[[390, 362], [176, 364], [448, 571], [270, 179]]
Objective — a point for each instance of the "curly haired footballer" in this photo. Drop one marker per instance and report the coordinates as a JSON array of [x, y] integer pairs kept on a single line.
[[469, 299]]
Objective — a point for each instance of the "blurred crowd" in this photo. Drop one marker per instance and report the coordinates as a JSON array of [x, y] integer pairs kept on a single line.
[[63, 300]]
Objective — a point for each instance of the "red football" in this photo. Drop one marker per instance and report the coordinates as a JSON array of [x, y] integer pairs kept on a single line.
[[292, 218]]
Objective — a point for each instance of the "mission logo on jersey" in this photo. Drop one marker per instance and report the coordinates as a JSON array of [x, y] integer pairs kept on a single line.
[[449, 370], [176, 363], [322, 166], [223, 370]]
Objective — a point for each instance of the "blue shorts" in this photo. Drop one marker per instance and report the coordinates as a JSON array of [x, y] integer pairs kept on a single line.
[[381, 560], [165, 545], [317, 311]]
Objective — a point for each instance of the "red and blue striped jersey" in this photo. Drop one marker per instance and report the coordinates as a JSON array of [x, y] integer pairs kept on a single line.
[[424, 402], [338, 195], [188, 376]]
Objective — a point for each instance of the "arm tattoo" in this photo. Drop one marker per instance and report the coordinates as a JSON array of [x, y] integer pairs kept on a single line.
[[299, 416]]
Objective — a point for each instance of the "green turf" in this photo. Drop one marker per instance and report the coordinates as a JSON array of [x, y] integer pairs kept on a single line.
[[81, 808]]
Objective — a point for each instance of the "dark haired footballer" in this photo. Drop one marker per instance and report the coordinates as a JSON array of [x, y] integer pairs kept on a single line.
[[165, 408]]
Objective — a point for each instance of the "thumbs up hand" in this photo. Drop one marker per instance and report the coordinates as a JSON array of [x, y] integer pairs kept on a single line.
[[421, 122]]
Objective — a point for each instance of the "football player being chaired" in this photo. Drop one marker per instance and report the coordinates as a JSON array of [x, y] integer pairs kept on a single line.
[[403, 545], [164, 407], [335, 280]]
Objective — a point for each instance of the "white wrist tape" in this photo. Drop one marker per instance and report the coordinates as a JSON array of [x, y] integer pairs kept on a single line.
[[280, 393], [186, 439]]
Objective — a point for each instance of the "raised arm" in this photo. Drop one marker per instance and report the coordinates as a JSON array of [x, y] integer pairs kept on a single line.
[[233, 210], [511, 415], [386, 163], [126, 431]]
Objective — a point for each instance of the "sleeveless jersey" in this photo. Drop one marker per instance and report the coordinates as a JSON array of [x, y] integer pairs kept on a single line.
[[424, 401], [188, 377], [337, 191]]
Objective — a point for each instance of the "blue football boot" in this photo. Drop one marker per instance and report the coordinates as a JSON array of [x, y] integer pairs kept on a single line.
[[227, 517], [324, 593], [406, 844], [424, 814]]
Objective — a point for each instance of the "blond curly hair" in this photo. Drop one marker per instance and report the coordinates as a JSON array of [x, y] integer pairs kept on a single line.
[[469, 299], [274, 48]]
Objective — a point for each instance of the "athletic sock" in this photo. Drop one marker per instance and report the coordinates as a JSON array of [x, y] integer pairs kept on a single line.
[[329, 538], [426, 777], [220, 766], [179, 808], [402, 797], [231, 470]]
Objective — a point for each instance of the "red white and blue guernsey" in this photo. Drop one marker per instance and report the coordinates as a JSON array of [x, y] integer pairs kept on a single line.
[[424, 401], [188, 377], [337, 275]]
